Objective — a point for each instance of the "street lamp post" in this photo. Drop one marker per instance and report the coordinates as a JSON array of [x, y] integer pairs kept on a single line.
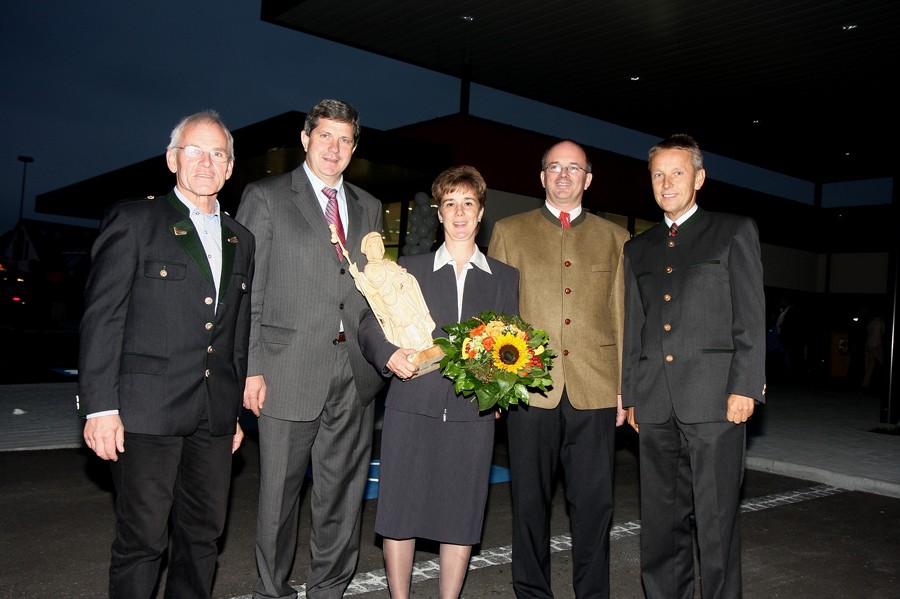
[[24, 160]]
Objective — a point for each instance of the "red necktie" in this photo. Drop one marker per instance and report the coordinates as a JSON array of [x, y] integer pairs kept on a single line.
[[333, 216], [673, 230], [564, 219]]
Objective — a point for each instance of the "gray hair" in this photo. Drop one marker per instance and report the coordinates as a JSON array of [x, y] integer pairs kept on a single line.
[[680, 141], [204, 117]]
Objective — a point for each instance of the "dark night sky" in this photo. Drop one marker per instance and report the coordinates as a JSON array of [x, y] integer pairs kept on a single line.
[[89, 87]]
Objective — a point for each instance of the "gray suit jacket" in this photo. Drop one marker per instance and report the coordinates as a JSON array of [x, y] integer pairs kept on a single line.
[[302, 293], [431, 394], [694, 319], [153, 344]]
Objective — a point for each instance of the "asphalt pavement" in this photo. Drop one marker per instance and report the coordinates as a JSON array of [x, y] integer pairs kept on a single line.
[[821, 508]]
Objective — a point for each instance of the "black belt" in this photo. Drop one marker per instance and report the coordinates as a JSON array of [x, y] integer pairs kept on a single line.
[[340, 338]]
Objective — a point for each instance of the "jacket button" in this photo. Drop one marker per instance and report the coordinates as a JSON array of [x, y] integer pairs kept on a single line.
[[667, 298], [568, 291], [244, 286], [210, 349], [670, 358], [671, 243], [206, 374], [568, 321], [208, 301], [669, 270], [208, 326], [164, 273], [667, 327], [567, 263], [565, 352]]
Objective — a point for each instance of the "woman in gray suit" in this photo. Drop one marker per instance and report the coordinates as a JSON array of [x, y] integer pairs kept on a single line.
[[436, 446]]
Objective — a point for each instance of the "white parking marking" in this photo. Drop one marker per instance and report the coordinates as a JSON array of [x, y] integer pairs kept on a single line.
[[427, 570]]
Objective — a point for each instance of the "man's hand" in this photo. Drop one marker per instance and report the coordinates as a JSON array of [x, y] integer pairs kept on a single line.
[[740, 408], [254, 395], [105, 435], [621, 413], [238, 437], [631, 420]]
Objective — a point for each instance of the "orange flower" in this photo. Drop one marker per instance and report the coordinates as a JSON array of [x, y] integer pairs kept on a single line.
[[496, 358]]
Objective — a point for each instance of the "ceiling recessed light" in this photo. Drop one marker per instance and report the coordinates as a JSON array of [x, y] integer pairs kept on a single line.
[[635, 78], [468, 18], [849, 27]]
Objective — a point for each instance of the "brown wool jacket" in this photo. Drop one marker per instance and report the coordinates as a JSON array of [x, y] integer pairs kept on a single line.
[[571, 285]]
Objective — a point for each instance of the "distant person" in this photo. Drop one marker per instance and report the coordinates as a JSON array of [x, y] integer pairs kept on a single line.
[[693, 369], [436, 447], [308, 382], [162, 363], [874, 356], [791, 337], [572, 286]]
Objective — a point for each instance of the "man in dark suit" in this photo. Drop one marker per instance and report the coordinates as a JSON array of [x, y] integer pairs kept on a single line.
[[163, 360], [692, 370], [308, 382], [572, 286]]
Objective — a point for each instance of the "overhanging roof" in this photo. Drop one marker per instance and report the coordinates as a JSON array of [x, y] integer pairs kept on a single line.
[[799, 87]]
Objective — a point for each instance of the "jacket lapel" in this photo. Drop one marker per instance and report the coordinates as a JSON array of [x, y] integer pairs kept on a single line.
[[229, 247], [353, 232], [186, 235], [307, 202]]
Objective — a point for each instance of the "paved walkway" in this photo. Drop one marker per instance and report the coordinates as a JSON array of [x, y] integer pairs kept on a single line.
[[822, 435]]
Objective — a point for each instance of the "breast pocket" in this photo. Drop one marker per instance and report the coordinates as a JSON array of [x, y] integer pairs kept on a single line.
[[165, 271]]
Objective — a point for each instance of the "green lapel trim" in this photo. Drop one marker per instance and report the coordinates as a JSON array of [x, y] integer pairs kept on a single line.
[[229, 248], [186, 234]]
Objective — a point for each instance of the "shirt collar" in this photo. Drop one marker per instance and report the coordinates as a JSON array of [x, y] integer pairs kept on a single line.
[[192, 209], [573, 213], [442, 258], [318, 184], [683, 217]]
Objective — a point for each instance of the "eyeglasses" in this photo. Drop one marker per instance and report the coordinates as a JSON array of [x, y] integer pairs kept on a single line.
[[214, 155], [557, 168]]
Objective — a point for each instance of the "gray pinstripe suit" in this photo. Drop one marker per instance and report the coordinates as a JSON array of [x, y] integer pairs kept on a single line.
[[319, 392]]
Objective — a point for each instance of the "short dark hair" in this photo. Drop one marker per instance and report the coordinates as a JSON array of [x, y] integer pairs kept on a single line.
[[334, 110], [460, 177]]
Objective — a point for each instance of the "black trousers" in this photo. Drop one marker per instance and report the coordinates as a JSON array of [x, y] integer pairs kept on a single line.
[[161, 480], [582, 442], [685, 469]]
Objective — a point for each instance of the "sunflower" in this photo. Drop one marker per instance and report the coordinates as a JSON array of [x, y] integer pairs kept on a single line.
[[497, 359], [510, 353]]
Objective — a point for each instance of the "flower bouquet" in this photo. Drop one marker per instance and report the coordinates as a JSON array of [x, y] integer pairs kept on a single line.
[[496, 357]]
